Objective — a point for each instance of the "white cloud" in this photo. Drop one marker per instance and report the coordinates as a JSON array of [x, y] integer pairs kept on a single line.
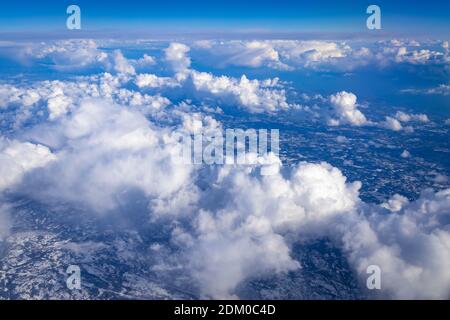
[[58, 105], [254, 95], [445, 45], [145, 80], [402, 43], [406, 117], [121, 64], [245, 222], [442, 89], [343, 56], [110, 149], [18, 158], [79, 54], [246, 236], [277, 54], [67, 54], [145, 61], [316, 54], [422, 56], [12, 95], [440, 178], [395, 203], [391, 124], [176, 55], [346, 109], [60, 97], [249, 235], [411, 246], [254, 54], [311, 53], [342, 139], [422, 225], [405, 154]]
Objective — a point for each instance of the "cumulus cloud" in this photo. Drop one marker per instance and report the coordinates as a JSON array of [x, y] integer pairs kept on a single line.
[[121, 64], [176, 55], [346, 109], [422, 56], [405, 154], [312, 53], [57, 98], [109, 150], [251, 234], [18, 158], [254, 95], [387, 241], [404, 43], [58, 104], [391, 124], [342, 139], [104, 150], [146, 80], [10, 95], [145, 61], [246, 236], [407, 117], [395, 123]]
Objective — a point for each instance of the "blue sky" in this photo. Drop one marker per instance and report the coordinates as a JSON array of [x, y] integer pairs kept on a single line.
[[401, 17]]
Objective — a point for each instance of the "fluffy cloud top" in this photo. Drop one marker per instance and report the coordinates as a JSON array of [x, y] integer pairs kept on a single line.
[[107, 150], [406, 117], [386, 241], [121, 64], [17, 158], [176, 54], [392, 124], [247, 234], [346, 109], [254, 95]]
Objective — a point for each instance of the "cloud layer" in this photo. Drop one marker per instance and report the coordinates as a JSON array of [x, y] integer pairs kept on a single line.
[[101, 141]]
